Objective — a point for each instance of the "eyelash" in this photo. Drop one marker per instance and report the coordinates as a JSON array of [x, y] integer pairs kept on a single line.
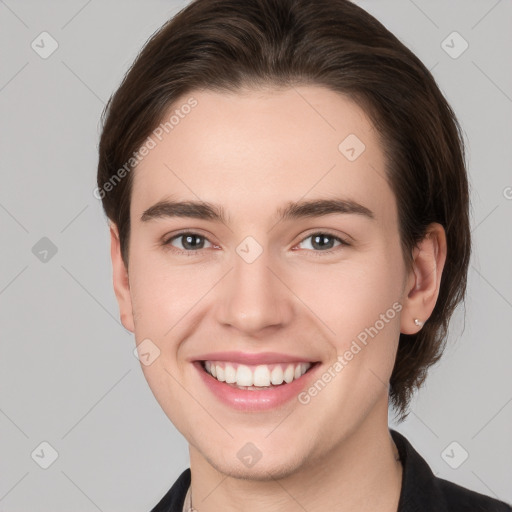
[[193, 252]]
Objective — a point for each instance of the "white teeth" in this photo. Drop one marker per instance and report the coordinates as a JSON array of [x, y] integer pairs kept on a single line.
[[220, 373], [277, 376], [230, 374], [256, 376], [262, 376], [244, 376], [289, 373]]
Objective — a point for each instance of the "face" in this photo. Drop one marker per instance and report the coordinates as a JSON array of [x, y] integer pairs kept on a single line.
[[279, 273]]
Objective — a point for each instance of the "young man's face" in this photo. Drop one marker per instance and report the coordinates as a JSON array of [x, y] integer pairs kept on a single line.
[[258, 284]]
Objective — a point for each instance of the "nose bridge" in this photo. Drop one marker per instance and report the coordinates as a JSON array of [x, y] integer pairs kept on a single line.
[[253, 297]]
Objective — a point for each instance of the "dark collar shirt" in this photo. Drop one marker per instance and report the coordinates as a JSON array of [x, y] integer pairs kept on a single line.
[[421, 490]]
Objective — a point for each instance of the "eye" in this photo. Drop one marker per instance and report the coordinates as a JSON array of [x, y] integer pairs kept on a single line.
[[323, 242], [188, 242]]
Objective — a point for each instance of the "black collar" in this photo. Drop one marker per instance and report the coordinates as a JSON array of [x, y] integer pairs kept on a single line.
[[421, 490]]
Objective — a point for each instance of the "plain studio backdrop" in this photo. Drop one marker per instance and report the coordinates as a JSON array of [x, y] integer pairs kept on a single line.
[[73, 396]]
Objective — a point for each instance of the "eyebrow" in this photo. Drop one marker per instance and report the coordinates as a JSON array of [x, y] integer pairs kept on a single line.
[[292, 210]]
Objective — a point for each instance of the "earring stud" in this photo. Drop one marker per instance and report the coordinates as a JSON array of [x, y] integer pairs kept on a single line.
[[418, 322]]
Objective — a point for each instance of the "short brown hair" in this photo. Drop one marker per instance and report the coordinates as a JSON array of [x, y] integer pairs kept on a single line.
[[225, 45]]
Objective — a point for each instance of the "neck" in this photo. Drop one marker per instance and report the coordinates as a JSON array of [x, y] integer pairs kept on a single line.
[[360, 474]]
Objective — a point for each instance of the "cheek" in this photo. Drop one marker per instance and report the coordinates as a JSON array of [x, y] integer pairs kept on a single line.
[[357, 302], [364, 313], [163, 294], [350, 295], [166, 384]]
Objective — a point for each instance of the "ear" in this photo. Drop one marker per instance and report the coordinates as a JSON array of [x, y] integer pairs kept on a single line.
[[424, 279], [120, 280]]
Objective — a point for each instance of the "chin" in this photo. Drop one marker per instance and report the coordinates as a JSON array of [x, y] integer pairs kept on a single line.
[[261, 471]]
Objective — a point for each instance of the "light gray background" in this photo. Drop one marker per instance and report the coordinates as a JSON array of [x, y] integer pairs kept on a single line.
[[67, 372]]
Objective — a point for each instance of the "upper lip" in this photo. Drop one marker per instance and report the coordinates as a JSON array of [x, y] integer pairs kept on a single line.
[[251, 358]]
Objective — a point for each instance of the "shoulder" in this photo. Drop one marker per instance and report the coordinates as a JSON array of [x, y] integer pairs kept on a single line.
[[422, 491], [175, 498], [459, 498]]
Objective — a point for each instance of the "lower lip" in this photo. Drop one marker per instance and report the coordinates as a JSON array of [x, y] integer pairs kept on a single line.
[[264, 399]]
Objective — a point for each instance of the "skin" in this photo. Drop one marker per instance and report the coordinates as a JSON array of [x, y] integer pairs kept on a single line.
[[252, 152]]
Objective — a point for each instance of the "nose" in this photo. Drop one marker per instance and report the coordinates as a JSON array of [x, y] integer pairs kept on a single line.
[[253, 298]]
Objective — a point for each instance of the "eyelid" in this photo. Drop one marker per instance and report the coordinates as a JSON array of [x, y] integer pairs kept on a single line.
[[344, 238], [166, 241], [329, 233]]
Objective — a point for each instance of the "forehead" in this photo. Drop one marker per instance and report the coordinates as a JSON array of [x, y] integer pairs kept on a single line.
[[254, 150]]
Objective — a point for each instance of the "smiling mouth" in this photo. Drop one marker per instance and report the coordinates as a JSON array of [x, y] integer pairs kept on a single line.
[[256, 377]]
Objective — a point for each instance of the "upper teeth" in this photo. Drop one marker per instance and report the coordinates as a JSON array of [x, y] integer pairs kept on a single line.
[[260, 375]]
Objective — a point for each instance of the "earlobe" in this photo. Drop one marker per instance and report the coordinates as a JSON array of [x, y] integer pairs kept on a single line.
[[424, 279], [120, 280]]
